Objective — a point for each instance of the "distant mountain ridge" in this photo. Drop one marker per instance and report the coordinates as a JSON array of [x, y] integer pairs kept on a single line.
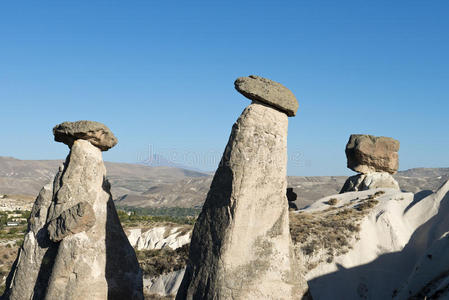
[[424, 172], [158, 160], [138, 185]]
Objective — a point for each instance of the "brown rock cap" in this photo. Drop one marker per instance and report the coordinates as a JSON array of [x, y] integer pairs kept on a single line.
[[367, 154], [269, 92], [96, 133]]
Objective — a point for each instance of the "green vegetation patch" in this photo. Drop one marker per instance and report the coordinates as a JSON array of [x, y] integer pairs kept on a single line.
[[132, 217], [15, 232], [163, 211]]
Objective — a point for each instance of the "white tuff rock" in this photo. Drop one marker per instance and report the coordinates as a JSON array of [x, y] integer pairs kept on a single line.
[[158, 238], [370, 181], [164, 285]]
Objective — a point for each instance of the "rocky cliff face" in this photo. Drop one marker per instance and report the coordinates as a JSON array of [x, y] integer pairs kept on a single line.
[[241, 246], [75, 247]]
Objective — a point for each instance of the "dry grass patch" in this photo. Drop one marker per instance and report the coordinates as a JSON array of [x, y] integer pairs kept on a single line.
[[370, 203], [379, 193], [180, 229], [8, 255], [322, 235], [332, 201], [161, 261]]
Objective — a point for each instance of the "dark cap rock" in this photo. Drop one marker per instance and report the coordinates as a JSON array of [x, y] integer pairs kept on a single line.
[[269, 92], [367, 154], [96, 133]]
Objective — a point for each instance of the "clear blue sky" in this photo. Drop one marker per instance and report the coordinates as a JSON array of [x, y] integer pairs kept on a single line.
[[161, 73]]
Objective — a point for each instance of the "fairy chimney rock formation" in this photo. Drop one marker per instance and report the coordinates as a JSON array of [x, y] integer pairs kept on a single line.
[[75, 247], [375, 158], [241, 246]]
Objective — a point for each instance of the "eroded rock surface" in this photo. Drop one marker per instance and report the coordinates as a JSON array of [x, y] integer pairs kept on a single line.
[[367, 154], [159, 237], [362, 182], [165, 285], [75, 247], [241, 246]]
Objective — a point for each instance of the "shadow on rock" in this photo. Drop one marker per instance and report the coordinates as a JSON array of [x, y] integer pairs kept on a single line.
[[123, 273]]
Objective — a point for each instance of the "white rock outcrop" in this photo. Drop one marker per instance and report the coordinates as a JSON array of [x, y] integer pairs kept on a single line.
[[397, 251], [429, 278], [159, 237], [370, 181], [165, 285]]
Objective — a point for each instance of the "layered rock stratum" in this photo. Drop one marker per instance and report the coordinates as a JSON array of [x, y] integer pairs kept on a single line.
[[241, 246], [75, 247]]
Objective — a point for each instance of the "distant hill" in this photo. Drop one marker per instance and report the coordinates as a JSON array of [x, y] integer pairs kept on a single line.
[[28, 176], [139, 185], [188, 192], [425, 172], [157, 160], [191, 192]]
